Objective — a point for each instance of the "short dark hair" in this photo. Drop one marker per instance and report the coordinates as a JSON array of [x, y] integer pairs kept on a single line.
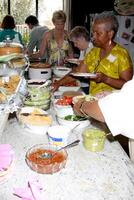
[[79, 31], [31, 19], [8, 22]]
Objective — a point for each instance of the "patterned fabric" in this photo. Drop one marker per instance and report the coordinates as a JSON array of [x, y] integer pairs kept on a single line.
[[117, 61], [4, 33], [58, 54]]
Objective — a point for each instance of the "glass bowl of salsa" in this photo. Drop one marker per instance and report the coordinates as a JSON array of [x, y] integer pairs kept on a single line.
[[45, 165]]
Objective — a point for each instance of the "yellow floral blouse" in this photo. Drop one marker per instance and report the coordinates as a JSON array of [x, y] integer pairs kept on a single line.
[[57, 55], [117, 61]]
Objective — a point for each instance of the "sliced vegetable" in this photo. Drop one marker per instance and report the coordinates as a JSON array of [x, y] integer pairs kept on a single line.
[[74, 118]]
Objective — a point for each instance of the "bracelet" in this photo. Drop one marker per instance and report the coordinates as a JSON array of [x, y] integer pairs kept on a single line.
[[81, 109]]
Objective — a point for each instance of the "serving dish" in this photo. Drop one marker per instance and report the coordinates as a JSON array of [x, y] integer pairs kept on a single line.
[[84, 97], [79, 124], [34, 120], [61, 71], [40, 71], [71, 86], [124, 7], [42, 165], [8, 86], [10, 48], [38, 96], [72, 93]]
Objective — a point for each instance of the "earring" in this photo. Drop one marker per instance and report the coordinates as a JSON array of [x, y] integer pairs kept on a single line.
[[110, 42]]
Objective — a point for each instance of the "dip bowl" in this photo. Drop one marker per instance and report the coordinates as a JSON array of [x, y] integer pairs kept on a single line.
[[45, 165]]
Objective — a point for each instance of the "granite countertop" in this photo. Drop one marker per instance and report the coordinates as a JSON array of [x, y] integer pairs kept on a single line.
[[106, 175]]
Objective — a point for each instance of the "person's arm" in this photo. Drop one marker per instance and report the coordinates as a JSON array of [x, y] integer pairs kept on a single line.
[[32, 42], [68, 78], [88, 109], [44, 43], [116, 83]]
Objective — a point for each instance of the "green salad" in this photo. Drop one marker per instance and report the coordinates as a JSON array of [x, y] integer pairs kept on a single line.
[[74, 118]]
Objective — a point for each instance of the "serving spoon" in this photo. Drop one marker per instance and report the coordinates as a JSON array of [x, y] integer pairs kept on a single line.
[[48, 82], [50, 155]]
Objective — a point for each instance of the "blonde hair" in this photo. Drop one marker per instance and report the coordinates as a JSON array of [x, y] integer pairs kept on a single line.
[[59, 15]]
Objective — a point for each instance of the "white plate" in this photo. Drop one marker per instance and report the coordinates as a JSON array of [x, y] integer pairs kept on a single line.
[[90, 75], [73, 61], [36, 81], [64, 88]]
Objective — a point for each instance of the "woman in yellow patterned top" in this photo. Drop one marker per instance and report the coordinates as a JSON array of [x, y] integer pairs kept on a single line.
[[110, 61], [56, 41]]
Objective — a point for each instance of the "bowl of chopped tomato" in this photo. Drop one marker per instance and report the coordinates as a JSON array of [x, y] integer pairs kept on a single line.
[[63, 106], [64, 101], [73, 85], [46, 165]]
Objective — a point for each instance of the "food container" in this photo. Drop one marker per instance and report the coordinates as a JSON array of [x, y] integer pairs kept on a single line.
[[58, 135], [83, 97], [94, 139], [40, 97], [73, 121], [61, 71], [69, 87], [10, 48], [62, 111], [63, 106], [34, 120], [40, 71], [71, 93], [46, 165]]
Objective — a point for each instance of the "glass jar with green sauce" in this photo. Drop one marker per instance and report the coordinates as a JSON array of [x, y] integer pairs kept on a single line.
[[93, 139]]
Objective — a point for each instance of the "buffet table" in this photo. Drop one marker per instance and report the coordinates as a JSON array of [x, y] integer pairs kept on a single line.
[[105, 175]]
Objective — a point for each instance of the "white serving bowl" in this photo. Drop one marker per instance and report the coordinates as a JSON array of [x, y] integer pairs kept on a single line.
[[34, 123], [61, 71], [72, 124], [62, 110], [70, 88]]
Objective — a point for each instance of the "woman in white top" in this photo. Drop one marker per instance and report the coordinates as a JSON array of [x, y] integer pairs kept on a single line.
[[80, 37]]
